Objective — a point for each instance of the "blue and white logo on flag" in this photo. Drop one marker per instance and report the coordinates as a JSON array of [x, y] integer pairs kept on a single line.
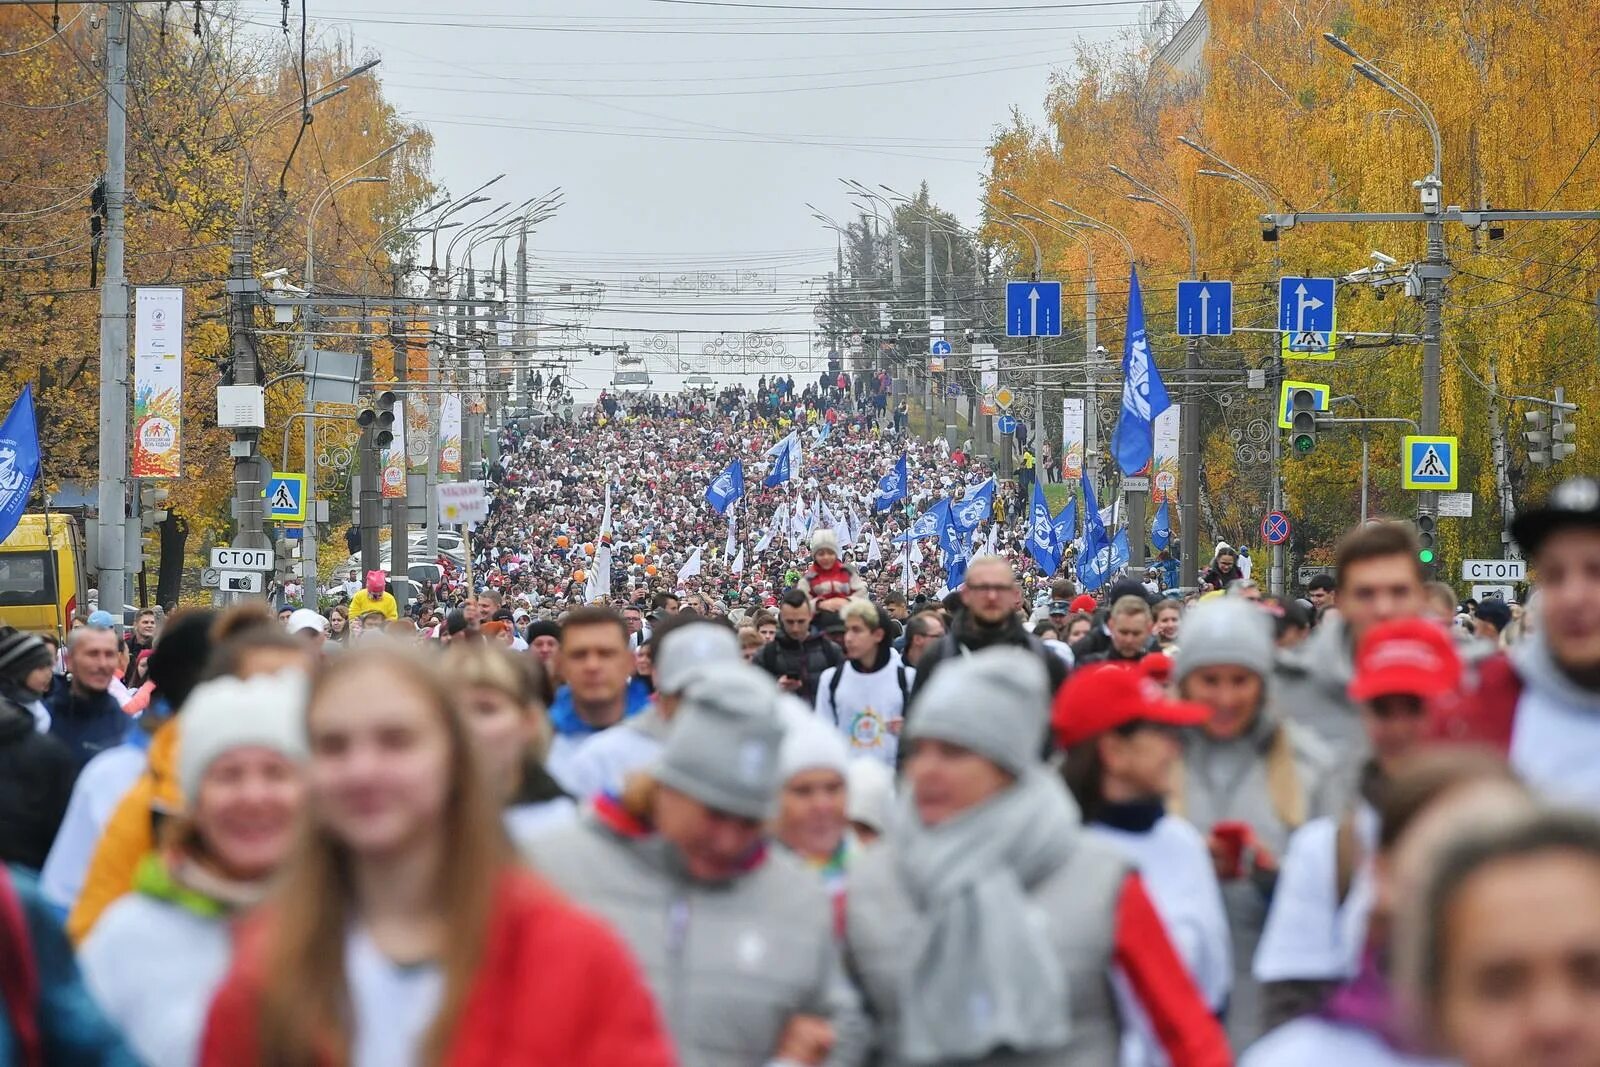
[[974, 507], [955, 550], [1042, 542], [930, 523], [1161, 533], [892, 487], [726, 488], [19, 461], [1094, 528], [1065, 526], [785, 461], [1144, 394]]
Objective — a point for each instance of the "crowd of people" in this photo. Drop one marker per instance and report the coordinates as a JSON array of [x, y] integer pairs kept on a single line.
[[796, 816]]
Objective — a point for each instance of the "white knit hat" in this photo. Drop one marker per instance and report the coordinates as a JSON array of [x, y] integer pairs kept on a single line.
[[871, 792], [825, 539], [267, 711], [812, 744]]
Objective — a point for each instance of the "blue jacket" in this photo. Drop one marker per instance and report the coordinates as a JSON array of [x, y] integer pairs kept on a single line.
[[88, 725], [564, 718], [72, 1030]]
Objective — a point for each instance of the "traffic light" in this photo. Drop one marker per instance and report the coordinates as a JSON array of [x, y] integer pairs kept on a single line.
[[1561, 427], [1427, 536], [152, 505], [1303, 421], [379, 418], [1537, 436]]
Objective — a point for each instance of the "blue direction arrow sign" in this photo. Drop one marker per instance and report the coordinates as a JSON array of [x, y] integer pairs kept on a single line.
[[1305, 305], [1033, 309], [1006, 424], [941, 347], [1205, 309]]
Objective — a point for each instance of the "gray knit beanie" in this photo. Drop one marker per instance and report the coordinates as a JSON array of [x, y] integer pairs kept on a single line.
[[995, 703], [1224, 631], [723, 746]]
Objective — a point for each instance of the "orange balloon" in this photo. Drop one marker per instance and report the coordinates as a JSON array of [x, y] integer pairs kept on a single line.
[[580, 574], [562, 542], [651, 570], [588, 549], [638, 557]]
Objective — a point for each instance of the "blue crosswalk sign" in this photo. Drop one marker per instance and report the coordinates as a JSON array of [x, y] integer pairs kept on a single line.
[[1429, 462], [1033, 309], [286, 497], [1305, 305], [1205, 309]]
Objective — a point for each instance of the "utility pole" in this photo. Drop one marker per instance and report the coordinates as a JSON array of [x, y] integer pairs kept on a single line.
[[927, 317], [1091, 371], [112, 496], [1497, 441], [438, 333], [399, 343], [250, 471]]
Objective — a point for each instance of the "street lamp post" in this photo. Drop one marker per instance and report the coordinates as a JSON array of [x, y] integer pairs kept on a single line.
[[308, 544]]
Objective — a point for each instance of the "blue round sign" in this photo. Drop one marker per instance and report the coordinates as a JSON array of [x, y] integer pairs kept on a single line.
[[1275, 528], [941, 348], [1007, 424]]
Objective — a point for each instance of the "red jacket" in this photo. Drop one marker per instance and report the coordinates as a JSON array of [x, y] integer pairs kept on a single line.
[[556, 986]]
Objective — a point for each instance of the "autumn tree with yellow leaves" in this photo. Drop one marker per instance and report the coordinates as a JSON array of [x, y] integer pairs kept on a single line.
[[211, 120], [1517, 96]]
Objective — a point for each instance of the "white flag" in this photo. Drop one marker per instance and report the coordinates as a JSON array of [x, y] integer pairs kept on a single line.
[[599, 583], [994, 529], [727, 552], [874, 551], [799, 522], [691, 566], [780, 520], [856, 525], [738, 561]]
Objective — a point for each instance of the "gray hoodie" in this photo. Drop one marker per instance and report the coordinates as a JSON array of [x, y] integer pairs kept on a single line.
[[1228, 781], [730, 963], [1311, 686]]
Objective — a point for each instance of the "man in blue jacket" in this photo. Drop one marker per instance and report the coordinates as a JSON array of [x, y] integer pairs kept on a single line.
[[83, 714]]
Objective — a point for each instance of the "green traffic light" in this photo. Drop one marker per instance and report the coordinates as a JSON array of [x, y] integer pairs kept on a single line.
[[1426, 555], [1304, 443]]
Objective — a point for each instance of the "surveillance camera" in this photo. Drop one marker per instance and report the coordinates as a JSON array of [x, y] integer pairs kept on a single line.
[[1387, 261]]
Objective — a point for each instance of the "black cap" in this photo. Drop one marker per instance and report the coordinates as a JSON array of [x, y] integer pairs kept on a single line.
[[1575, 502], [1496, 612]]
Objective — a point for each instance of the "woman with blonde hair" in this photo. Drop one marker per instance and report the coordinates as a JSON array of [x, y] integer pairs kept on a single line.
[[404, 932], [506, 700]]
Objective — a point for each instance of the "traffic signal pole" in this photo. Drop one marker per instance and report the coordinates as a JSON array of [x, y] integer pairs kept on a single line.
[[112, 488]]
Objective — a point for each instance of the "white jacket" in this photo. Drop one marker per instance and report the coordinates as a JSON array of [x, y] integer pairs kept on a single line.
[[153, 968], [863, 704], [104, 781]]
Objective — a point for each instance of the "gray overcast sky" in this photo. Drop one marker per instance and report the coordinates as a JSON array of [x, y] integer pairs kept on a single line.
[[689, 134]]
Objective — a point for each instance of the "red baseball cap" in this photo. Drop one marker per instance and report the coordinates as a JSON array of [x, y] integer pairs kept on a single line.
[[1157, 666], [1405, 657], [1102, 697], [1085, 603]]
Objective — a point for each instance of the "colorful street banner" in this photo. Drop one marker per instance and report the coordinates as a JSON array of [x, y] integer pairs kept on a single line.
[[450, 433], [157, 382], [419, 436], [1072, 438], [394, 458], [1165, 483]]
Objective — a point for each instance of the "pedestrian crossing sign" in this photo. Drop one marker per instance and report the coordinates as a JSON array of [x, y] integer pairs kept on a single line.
[[1429, 463], [286, 497]]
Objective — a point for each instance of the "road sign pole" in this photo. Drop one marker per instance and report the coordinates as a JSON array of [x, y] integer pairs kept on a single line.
[[1091, 367], [1277, 575]]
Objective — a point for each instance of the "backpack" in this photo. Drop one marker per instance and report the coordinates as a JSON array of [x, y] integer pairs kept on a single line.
[[19, 975], [838, 676]]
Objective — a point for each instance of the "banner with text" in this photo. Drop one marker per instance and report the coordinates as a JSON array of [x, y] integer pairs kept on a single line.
[[1165, 470], [1071, 438], [394, 458], [450, 434], [157, 382], [419, 436]]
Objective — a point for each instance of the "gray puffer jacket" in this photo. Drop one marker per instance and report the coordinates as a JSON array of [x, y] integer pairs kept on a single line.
[[1080, 897], [729, 963], [1276, 777], [1311, 686]]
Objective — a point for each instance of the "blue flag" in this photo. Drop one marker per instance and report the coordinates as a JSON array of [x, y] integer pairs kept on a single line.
[[1144, 394], [1161, 533], [19, 461], [785, 461], [930, 523], [1043, 544], [1119, 550], [1094, 530], [955, 551], [975, 506], [892, 487], [726, 488], [1065, 525]]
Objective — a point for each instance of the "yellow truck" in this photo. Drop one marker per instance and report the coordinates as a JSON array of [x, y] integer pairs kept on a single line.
[[42, 573]]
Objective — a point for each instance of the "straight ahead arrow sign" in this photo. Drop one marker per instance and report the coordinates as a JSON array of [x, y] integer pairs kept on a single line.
[[1304, 304], [1205, 310], [1033, 306]]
